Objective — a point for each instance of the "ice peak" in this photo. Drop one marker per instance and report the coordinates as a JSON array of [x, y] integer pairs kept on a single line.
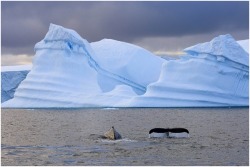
[[59, 33], [62, 38], [223, 45]]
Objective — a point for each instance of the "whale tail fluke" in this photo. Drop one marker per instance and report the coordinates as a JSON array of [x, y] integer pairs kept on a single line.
[[169, 133]]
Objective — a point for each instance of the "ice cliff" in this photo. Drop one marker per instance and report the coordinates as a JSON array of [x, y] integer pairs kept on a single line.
[[68, 71], [11, 77]]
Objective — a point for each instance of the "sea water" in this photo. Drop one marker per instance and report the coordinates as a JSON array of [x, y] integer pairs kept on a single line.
[[218, 136]]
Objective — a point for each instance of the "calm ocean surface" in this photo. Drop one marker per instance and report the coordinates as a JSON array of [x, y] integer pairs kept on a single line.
[[218, 136]]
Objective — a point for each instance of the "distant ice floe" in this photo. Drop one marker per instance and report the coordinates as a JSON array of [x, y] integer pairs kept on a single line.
[[70, 72], [110, 108], [11, 77], [10, 80], [16, 68]]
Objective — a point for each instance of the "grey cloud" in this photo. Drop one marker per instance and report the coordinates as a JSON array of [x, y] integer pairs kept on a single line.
[[25, 23]]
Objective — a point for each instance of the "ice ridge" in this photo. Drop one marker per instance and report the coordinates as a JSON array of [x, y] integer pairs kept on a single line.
[[224, 47], [59, 37]]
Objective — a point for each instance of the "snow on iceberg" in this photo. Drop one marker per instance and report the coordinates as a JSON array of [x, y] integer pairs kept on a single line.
[[214, 73], [69, 72]]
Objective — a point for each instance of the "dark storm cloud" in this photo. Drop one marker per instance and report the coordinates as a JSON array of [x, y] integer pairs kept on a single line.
[[25, 23]]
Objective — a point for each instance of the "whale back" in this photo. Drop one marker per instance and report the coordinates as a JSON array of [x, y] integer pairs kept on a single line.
[[112, 134]]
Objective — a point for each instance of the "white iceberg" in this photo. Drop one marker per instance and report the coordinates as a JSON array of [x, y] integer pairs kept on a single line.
[[68, 72], [50, 82], [212, 74]]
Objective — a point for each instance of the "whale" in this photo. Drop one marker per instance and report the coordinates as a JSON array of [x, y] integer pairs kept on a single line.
[[112, 134], [168, 133]]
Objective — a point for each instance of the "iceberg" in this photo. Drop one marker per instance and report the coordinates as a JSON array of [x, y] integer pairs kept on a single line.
[[69, 72], [214, 73], [11, 77], [66, 73]]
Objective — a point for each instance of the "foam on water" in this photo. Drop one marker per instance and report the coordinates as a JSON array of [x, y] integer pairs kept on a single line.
[[124, 140]]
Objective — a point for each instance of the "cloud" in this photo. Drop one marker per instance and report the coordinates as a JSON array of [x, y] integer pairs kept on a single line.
[[177, 44], [26, 23], [7, 60]]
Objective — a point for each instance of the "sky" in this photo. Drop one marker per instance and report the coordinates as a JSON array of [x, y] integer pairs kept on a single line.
[[163, 27]]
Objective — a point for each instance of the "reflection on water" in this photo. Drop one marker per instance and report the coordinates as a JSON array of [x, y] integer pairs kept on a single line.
[[219, 136]]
